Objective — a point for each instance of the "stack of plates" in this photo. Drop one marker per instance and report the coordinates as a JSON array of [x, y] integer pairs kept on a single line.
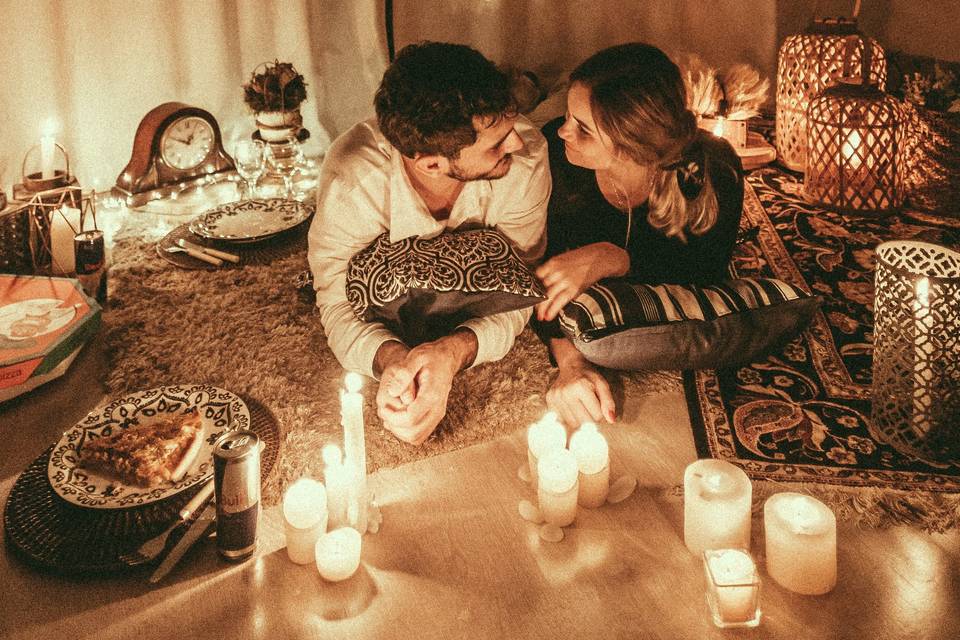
[[251, 220]]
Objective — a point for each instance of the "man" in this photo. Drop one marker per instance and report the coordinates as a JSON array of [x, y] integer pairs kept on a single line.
[[446, 149]]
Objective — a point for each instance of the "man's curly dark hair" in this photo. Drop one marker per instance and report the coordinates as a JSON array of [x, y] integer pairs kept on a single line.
[[430, 94]]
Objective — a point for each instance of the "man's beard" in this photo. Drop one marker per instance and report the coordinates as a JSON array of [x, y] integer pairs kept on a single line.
[[498, 171]]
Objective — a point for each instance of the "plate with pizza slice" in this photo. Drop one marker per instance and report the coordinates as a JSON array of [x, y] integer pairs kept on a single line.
[[145, 446]]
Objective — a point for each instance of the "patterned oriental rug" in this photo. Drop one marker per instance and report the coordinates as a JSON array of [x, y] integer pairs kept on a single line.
[[802, 416]]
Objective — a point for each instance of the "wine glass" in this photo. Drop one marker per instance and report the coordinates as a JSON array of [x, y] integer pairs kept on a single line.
[[284, 159], [249, 158]]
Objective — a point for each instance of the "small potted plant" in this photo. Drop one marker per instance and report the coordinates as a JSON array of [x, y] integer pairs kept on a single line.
[[274, 93]]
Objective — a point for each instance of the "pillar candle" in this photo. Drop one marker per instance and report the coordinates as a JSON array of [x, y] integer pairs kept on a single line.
[[733, 587], [801, 543], [64, 226], [338, 554], [543, 436], [304, 518], [354, 448], [716, 506], [558, 488], [337, 479], [593, 461]]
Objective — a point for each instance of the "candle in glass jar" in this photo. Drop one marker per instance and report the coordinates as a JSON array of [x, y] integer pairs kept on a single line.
[[304, 518], [716, 506], [592, 452], [354, 448], [338, 554], [543, 436], [558, 487], [801, 543], [733, 587], [337, 478]]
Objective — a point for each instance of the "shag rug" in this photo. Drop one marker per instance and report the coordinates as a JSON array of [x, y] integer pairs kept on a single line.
[[802, 416], [248, 329]]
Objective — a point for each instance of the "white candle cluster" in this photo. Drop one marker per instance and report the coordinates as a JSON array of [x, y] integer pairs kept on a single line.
[[800, 536], [338, 554], [564, 478]]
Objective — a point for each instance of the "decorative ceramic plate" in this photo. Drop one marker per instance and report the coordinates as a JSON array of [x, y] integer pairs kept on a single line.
[[251, 220], [220, 411], [35, 317]]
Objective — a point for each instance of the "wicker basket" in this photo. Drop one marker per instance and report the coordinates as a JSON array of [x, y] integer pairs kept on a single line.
[[932, 158]]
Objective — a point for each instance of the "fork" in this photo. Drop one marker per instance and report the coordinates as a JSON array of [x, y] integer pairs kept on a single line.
[[152, 548]]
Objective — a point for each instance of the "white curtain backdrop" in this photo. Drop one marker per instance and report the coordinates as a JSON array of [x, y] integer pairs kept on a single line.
[[96, 67]]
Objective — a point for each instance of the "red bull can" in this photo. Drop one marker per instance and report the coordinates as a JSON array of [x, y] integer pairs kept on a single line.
[[236, 477]]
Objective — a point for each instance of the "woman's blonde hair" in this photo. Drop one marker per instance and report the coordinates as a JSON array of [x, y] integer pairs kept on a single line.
[[637, 97]]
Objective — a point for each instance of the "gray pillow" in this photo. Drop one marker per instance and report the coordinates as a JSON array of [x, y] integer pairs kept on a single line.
[[423, 288], [621, 325]]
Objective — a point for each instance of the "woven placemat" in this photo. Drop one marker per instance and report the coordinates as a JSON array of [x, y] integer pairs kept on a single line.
[[52, 534], [262, 252]]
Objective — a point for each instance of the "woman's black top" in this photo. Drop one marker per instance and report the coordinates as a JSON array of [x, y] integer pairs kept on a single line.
[[579, 215]]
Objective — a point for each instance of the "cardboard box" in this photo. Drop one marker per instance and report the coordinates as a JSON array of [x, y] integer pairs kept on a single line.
[[44, 322]]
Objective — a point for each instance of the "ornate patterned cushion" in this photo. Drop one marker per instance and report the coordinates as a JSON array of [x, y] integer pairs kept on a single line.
[[621, 325], [423, 288]]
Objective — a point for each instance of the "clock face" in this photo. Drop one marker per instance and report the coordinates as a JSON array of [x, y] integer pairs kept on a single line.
[[187, 142]]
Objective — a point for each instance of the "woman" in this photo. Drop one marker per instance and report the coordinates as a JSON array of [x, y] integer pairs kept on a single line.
[[638, 192]]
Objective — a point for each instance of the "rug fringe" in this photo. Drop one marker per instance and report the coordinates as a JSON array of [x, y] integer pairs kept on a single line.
[[875, 507]]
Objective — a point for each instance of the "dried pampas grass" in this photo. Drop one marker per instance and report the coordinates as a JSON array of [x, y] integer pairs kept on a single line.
[[745, 91], [736, 94], [703, 91]]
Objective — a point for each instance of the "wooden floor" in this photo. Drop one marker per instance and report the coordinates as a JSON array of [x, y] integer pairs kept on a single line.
[[455, 560]]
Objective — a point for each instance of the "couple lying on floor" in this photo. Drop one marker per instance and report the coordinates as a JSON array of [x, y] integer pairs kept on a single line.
[[624, 186]]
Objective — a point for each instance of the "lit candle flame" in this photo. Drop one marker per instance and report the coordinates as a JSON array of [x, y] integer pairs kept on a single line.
[[353, 382], [718, 128], [331, 455], [850, 147]]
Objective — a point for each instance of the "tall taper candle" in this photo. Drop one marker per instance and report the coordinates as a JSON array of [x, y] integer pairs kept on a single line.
[[336, 477], [354, 447]]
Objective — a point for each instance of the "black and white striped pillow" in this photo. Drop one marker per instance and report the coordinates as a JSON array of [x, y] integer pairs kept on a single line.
[[623, 325]]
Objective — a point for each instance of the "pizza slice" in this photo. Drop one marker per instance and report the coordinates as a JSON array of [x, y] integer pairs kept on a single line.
[[150, 454]]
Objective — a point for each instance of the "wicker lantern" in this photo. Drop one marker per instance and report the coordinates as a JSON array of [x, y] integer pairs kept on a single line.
[[808, 63], [916, 349], [854, 148]]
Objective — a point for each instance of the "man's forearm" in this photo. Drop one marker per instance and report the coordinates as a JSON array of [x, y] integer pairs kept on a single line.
[[463, 346]]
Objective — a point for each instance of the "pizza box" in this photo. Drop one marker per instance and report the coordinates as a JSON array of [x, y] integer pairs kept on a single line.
[[44, 322]]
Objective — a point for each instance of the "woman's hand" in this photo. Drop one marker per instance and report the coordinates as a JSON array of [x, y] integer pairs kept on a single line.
[[569, 274], [579, 394]]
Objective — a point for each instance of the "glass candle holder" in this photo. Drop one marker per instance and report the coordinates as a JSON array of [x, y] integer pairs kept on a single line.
[[733, 588]]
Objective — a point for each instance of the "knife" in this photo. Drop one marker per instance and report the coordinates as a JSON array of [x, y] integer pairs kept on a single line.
[[199, 527], [186, 244]]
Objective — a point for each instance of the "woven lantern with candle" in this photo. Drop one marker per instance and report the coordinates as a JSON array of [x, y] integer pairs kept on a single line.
[[54, 208], [855, 146], [808, 63], [916, 349]]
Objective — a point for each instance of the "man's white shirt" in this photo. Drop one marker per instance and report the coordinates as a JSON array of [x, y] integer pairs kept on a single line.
[[364, 191]]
